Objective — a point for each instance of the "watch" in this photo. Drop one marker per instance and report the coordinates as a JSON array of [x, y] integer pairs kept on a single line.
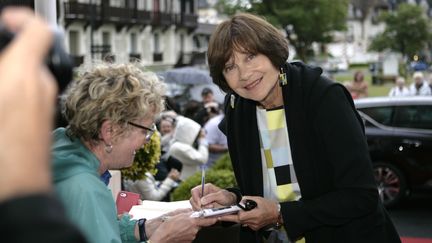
[[141, 230]]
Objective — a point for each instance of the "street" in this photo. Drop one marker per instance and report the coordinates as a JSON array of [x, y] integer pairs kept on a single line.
[[413, 218]]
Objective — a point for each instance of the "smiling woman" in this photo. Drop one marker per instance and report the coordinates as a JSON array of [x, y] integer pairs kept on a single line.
[[110, 110], [296, 144]]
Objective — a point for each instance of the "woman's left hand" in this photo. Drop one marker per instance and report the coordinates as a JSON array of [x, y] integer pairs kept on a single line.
[[264, 214]]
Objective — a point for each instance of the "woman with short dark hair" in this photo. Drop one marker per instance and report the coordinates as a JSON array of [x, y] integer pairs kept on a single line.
[[296, 143]]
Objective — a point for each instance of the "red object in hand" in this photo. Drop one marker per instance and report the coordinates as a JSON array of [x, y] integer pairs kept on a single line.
[[125, 200]]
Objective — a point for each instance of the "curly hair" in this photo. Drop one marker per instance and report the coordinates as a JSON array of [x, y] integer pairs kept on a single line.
[[115, 92]]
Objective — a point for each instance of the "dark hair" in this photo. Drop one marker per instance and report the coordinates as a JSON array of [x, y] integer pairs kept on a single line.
[[206, 91], [244, 32], [357, 74]]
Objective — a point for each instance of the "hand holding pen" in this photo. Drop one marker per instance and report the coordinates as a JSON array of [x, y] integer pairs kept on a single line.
[[214, 197]]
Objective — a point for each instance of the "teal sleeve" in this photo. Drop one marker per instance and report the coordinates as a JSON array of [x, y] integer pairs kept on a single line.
[[127, 229], [91, 208]]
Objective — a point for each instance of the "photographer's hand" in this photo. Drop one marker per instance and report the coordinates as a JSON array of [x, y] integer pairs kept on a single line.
[[27, 99]]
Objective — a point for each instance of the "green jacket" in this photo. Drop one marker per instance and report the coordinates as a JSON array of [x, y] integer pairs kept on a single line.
[[88, 201]]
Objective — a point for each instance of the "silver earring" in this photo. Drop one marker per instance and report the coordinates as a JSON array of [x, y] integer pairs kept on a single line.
[[108, 148]]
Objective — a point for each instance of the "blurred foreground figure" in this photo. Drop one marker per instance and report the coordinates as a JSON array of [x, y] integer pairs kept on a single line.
[[29, 213]]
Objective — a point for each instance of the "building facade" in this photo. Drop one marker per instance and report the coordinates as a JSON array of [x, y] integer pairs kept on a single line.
[[158, 32]]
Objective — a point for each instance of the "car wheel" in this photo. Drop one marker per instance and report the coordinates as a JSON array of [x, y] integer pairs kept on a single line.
[[391, 183]]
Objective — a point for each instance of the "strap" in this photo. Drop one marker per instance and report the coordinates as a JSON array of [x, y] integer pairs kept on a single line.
[[141, 229], [237, 192]]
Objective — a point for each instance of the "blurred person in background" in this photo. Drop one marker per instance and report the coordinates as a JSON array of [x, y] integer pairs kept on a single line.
[[399, 89], [110, 109], [167, 165], [151, 189], [419, 86], [207, 95], [217, 141], [139, 177], [166, 126], [358, 88], [189, 146], [208, 107]]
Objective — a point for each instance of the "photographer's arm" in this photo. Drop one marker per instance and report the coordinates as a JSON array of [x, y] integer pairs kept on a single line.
[[27, 96]]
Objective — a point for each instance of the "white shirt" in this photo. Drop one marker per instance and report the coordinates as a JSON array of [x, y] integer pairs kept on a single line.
[[397, 91], [423, 90]]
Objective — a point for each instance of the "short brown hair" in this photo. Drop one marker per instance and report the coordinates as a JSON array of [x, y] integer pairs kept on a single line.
[[244, 32]]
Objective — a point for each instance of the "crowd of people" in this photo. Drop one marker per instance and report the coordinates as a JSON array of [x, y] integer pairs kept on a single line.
[[358, 88], [298, 151]]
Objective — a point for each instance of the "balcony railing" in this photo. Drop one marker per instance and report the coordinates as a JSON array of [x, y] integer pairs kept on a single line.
[[143, 17], [104, 49], [118, 15], [81, 11], [163, 20], [189, 21], [134, 57], [121, 16]]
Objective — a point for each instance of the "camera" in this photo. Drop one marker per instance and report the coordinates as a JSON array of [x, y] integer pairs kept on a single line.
[[57, 60]]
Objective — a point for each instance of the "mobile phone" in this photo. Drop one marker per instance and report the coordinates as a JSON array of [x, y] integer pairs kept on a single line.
[[125, 201], [247, 205], [215, 211]]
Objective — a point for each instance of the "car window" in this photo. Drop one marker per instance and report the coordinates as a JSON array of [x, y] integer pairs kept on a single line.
[[381, 115], [413, 117]]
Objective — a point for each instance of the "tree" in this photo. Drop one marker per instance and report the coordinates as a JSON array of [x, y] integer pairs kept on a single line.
[[406, 32], [304, 21]]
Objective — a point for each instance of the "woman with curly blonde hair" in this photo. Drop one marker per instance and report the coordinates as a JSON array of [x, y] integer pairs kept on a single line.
[[110, 109]]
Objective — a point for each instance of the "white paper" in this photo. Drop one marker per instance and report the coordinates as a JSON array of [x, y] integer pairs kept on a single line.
[[153, 209]]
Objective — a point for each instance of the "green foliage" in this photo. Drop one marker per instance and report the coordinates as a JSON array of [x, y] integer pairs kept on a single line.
[[407, 31], [311, 21], [220, 174], [145, 160], [223, 163]]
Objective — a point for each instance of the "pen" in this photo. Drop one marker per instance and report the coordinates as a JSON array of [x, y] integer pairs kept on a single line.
[[202, 179]]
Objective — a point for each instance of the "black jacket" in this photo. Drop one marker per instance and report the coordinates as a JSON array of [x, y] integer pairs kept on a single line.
[[36, 218], [339, 197]]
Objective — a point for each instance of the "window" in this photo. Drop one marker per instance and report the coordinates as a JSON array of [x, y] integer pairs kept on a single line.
[[74, 47], [156, 43], [419, 116], [381, 115], [133, 43], [106, 38]]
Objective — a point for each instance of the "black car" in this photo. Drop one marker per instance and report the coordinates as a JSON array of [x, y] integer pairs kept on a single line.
[[399, 135]]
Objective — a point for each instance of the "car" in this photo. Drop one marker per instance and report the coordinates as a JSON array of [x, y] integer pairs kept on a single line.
[[399, 135], [419, 66]]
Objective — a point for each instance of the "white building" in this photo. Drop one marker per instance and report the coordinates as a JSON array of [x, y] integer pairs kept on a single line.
[[158, 32]]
